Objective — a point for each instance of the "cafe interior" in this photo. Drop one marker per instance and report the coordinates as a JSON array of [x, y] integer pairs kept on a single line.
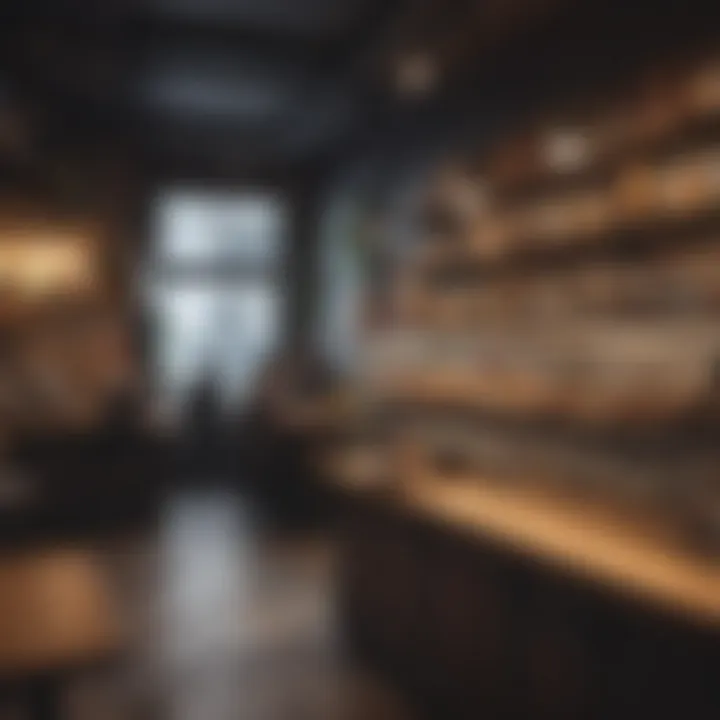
[[340, 360]]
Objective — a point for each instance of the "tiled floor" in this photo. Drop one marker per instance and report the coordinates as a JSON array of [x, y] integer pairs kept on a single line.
[[226, 623]]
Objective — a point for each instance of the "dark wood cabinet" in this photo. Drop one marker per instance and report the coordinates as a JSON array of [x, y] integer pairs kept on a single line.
[[473, 630]]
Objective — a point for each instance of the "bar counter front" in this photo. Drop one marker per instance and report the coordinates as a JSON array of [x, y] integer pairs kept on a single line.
[[487, 601]]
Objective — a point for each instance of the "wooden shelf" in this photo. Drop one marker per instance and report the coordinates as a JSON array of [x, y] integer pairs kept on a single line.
[[689, 133], [594, 407], [537, 254]]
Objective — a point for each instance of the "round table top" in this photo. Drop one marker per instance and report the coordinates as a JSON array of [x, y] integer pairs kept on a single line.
[[56, 611]]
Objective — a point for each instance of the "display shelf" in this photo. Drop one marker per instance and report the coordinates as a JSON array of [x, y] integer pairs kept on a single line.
[[624, 237]]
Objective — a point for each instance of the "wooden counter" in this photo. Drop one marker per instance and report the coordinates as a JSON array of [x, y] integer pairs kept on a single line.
[[635, 556], [497, 601]]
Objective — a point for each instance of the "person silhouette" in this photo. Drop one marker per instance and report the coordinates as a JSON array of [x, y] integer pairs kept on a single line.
[[203, 428]]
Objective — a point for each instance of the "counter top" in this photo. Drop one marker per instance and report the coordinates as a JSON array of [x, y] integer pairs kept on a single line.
[[633, 556]]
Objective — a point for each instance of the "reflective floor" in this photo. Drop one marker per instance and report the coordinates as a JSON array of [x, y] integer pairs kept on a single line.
[[225, 621]]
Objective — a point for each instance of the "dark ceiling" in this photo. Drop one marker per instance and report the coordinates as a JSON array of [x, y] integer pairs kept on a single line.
[[256, 84]]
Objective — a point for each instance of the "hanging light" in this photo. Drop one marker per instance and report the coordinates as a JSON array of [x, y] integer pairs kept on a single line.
[[416, 74]]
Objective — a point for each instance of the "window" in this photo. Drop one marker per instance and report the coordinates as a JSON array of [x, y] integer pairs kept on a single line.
[[214, 288]]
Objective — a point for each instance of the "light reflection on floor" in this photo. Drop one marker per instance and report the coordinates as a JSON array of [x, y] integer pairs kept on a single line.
[[227, 623]]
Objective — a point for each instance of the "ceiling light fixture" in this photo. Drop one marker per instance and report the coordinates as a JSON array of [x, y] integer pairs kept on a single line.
[[416, 74]]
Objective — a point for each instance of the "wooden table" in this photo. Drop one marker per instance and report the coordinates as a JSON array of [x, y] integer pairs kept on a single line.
[[56, 616]]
